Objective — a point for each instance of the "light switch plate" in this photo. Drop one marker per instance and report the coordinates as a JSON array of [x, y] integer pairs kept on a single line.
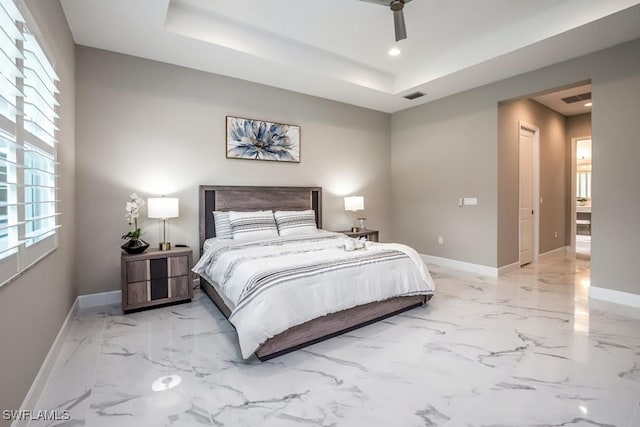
[[470, 201]]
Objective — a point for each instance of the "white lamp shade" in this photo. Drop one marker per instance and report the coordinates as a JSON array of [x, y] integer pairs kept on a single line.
[[354, 203], [163, 207]]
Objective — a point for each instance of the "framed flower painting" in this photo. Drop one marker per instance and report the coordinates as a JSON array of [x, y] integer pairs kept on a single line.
[[258, 140]]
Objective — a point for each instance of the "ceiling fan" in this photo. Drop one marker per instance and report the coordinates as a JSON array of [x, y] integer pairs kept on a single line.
[[398, 17]]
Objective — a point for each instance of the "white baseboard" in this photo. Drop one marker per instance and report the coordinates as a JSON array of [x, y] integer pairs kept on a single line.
[[616, 297], [31, 399], [560, 250], [516, 265], [508, 268], [461, 265], [99, 299]]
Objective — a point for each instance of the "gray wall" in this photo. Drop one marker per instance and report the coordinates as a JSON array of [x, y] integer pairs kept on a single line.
[[578, 126], [616, 175], [554, 184], [155, 128], [34, 306], [441, 151], [450, 147]]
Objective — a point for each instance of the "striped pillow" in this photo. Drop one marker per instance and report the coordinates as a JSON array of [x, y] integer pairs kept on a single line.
[[295, 223], [252, 225], [223, 227]]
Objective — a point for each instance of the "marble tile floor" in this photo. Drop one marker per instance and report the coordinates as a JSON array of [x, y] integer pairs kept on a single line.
[[583, 246], [525, 349]]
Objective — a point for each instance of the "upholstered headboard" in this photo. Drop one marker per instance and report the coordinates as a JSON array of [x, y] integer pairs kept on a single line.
[[242, 198]]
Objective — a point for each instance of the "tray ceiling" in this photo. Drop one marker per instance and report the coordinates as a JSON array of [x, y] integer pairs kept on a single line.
[[337, 49]]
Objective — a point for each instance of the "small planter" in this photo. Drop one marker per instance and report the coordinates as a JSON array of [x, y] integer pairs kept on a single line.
[[135, 246]]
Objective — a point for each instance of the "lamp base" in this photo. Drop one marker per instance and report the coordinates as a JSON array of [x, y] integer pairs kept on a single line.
[[165, 246]]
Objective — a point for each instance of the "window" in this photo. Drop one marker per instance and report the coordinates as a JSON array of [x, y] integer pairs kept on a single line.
[[28, 166]]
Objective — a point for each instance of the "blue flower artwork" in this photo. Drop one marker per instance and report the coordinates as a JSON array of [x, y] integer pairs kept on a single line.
[[259, 140]]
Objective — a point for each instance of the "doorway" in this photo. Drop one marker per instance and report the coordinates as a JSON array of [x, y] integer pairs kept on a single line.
[[554, 117], [529, 190], [581, 166]]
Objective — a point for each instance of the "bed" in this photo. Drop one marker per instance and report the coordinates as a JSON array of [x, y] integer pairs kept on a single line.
[[326, 325]]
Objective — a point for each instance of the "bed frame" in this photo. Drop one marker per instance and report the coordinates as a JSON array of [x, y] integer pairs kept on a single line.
[[241, 198]]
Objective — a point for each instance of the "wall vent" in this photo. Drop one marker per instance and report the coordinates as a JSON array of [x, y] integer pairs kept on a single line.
[[414, 95], [577, 98]]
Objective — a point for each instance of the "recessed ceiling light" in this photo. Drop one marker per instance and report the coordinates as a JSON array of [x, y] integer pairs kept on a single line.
[[588, 104], [394, 51]]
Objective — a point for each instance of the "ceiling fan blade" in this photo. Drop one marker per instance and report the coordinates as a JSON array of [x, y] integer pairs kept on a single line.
[[398, 21]]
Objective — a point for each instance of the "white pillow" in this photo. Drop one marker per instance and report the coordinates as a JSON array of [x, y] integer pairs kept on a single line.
[[223, 227], [296, 223], [252, 225]]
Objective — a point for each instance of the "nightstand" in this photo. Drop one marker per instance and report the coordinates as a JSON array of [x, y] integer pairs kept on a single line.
[[371, 235], [156, 277]]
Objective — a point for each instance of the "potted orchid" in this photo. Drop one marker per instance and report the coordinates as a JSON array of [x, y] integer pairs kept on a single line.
[[134, 244]]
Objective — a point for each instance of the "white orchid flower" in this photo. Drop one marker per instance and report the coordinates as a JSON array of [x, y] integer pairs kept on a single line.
[[132, 207]]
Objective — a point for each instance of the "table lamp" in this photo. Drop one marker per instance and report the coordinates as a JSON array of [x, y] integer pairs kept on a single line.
[[354, 204], [163, 208]]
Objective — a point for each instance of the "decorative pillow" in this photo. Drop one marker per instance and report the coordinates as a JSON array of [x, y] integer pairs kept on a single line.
[[294, 223], [252, 225], [223, 227]]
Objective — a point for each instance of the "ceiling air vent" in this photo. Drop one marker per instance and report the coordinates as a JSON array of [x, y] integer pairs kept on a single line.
[[414, 95], [577, 98]]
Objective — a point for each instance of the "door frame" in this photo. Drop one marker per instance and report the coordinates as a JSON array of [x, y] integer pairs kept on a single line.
[[536, 188], [572, 194]]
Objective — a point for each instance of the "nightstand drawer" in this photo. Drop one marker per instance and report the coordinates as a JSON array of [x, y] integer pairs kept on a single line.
[[137, 271], [179, 286], [178, 266], [137, 293], [159, 268], [159, 289]]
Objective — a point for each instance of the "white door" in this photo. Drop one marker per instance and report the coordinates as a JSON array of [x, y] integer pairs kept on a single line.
[[526, 196]]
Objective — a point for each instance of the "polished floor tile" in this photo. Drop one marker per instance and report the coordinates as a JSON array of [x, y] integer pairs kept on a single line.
[[526, 349], [583, 246]]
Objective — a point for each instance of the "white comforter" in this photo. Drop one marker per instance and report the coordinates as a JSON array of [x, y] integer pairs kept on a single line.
[[272, 285]]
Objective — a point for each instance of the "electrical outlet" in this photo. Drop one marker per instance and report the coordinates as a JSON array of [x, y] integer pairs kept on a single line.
[[440, 240], [555, 234]]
